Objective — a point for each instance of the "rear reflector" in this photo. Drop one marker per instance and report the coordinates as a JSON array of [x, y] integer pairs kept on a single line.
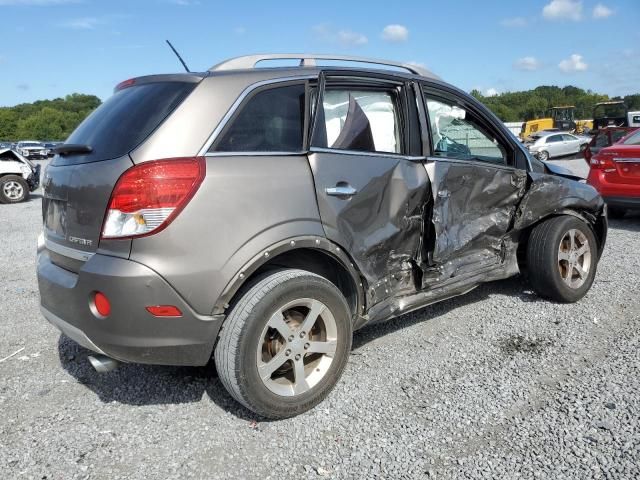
[[102, 304], [164, 311], [150, 195]]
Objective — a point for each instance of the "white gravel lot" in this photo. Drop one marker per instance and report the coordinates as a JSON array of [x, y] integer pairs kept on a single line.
[[494, 384]]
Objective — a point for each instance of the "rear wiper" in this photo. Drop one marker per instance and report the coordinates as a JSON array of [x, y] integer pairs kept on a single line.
[[72, 149]]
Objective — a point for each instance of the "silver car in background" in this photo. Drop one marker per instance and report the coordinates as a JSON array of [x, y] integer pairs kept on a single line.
[[552, 144]]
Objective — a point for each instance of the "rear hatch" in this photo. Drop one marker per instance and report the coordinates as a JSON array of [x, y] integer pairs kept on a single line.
[[77, 186], [627, 161]]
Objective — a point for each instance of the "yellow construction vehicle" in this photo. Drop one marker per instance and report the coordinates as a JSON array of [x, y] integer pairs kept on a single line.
[[562, 118]]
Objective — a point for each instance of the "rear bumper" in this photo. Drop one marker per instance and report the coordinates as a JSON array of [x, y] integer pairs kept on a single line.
[[623, 202], [129, 333]]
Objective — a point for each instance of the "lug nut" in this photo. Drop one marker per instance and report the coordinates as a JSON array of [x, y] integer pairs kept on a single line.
[[291, 338], [302, 334], [306, 346], [288, 352], [298, 356]]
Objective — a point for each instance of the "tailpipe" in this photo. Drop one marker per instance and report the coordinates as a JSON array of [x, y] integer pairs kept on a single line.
[[102, 363]]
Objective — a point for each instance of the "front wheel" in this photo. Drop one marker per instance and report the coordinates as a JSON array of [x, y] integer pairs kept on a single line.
[[285, 343], [13, 189], [543, 156], [562, 256]]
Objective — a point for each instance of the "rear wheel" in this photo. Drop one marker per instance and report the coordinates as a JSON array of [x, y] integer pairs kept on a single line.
[[562, 256], [543, 155], [13, 189], [285, 343], [615, 212]]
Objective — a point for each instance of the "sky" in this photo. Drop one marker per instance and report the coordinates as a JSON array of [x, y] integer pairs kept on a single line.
[[50, 48]]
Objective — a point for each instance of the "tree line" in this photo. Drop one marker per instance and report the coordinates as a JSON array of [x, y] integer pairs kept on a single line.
[[56, 119], [532, 104], [46, 119]]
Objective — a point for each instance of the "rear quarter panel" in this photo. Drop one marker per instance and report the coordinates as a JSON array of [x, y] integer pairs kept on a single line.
[[245, 205]]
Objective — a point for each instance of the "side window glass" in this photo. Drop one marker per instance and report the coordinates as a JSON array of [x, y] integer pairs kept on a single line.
[[568, 138], [457, 134], [601, 140], [363, 120], [554, 139], [270, 121], [617, 135]]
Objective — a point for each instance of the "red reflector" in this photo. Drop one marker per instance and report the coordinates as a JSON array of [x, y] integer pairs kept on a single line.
[[102, 304], [164, 311]]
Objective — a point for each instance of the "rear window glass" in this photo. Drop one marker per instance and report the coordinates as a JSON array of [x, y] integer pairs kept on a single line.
[[633, 139], [127, 118], [271, 121]]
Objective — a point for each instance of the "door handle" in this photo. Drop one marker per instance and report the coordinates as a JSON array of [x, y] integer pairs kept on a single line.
[[341, 190]]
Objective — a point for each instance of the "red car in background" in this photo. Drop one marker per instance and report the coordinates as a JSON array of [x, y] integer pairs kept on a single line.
[[615, 173], [605, 137]]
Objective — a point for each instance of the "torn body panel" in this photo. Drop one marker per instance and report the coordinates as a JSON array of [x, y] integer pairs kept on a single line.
[[381, 222], [473, 210], [553, 194]]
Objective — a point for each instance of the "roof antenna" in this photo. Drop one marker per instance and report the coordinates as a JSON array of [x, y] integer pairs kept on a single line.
[[178, 55]]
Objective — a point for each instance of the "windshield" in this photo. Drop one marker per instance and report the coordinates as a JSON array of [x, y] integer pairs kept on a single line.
[[633, 139], [30, 144], [610, 111]]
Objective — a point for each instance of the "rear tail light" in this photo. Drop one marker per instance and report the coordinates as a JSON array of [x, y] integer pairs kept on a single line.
[[150, 195], [603, 161]]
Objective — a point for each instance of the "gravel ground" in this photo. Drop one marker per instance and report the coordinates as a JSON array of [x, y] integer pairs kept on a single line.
[[494, 384]]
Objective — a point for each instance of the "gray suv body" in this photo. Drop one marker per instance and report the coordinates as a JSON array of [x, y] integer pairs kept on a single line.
[[264, 214]]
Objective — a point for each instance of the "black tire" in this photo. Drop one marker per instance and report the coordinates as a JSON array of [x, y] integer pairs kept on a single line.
[[13, 179], [543, 259], [236, 352], [543, 155], [615, 212]]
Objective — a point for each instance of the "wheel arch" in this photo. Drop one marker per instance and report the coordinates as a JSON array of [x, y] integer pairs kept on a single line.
[[312, 253]]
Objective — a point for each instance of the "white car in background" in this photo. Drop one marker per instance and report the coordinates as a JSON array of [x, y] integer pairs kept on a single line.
[[32, 149], [552, 144], [18, 176]]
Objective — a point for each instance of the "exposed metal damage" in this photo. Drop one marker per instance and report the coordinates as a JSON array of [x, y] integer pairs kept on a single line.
[[449, 247]]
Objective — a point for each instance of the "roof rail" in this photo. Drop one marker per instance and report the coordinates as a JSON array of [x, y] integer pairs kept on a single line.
[[309, 60]]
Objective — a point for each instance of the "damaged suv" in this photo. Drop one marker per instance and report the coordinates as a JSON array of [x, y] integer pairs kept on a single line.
[[262, 215]]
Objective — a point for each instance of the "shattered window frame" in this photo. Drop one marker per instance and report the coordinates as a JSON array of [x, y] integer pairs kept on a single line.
[[482, 122], [359, 83]]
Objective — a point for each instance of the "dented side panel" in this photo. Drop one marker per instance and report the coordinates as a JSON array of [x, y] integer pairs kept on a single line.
[[382, 224], [553, 194], [474, 208]]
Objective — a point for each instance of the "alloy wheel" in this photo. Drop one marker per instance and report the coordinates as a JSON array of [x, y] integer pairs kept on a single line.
[[13, 190], [296, 347], [574, 258]]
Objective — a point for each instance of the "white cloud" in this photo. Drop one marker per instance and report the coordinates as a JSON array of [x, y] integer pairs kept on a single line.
[[515, 22], [345, 37], [575, 63], [563, 10], [395, 33], [490, 92], [601, 11], [85, 23], [527, 63], [36, 2]]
